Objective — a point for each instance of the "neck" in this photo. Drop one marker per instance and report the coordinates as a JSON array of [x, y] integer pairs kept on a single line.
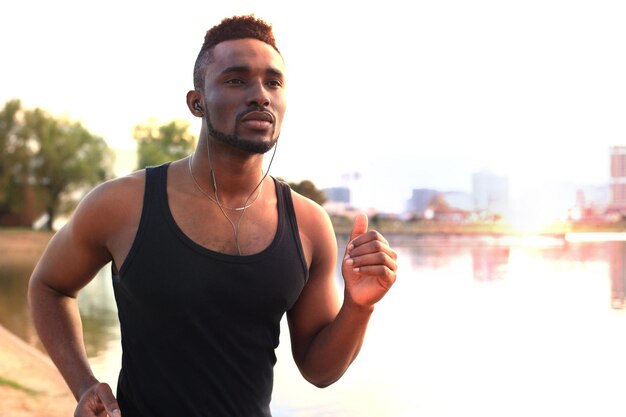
[[236, 174]]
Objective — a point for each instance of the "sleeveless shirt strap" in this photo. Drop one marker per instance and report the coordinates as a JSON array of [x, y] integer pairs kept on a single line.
[[153, 174], [150, 196], [156, 185], [284, 197]]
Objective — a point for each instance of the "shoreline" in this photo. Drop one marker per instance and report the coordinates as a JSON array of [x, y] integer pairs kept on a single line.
[[30, 384], [22, 245]]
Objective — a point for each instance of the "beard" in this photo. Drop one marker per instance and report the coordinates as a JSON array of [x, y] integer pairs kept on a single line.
[[241, 143]]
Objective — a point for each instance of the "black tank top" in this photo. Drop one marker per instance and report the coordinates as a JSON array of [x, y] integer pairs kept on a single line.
[[199, 328]]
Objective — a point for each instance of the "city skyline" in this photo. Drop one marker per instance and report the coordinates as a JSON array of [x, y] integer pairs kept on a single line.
[[551, 202]]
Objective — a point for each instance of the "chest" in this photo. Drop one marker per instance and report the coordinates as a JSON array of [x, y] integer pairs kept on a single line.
[[223, 230], [183, 255], [168, 268]]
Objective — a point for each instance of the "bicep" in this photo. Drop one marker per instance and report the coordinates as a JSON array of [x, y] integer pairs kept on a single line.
[[65, 266], [74, 254]]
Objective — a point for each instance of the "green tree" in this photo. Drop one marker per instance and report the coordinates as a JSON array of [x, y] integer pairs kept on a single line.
[[66, 161], [159, 144], [55, 158], [13, 157], [308, 189]]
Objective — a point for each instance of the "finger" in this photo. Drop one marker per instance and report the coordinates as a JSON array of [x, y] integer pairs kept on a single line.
[[360, 226], [373, 245], [370, 236], [383, 274], [108, 400], [374, 259]]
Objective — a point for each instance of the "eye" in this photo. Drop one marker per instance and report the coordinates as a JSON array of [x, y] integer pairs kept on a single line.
[[234, 81], [275, 83]]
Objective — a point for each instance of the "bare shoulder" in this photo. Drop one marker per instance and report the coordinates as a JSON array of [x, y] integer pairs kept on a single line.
[[127, 189], [316, 230], [97, 233], [110, 207], [311, 216]]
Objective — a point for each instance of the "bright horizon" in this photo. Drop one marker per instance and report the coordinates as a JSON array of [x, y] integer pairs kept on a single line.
[[417, 97]]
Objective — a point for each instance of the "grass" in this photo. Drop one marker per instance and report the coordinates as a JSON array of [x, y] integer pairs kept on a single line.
[[12, 384]]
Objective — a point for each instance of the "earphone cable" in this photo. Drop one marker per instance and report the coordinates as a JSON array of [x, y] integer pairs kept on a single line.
[[234, 226]]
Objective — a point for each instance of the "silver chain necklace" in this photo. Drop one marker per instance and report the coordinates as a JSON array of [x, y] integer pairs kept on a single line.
[[216, 199], [245, 206]]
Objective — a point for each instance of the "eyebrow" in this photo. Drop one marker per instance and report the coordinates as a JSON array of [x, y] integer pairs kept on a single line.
[[243, 68]]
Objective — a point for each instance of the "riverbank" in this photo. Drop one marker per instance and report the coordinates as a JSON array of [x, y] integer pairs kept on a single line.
[[30, 385], [22, 244]]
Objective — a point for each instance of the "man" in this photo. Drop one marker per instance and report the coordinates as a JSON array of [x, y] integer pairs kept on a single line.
[[207, 254]]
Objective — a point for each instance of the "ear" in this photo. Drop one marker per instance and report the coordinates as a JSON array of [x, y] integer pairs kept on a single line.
[[193, 97]]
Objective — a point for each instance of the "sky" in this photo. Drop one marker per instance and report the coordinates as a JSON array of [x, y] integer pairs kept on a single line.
[[383, 97]]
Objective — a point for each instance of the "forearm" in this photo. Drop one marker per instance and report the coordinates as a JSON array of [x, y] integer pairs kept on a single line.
[[335, 347], [57, 320]]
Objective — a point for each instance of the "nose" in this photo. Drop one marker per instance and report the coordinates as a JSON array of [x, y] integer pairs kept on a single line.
[[258, 95]]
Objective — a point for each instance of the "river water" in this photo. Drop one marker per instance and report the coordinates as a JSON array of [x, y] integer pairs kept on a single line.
[[473, 327]]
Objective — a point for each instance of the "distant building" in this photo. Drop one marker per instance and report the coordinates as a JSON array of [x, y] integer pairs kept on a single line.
[[618, 179], [597, 195], [459, 200], [447, 206], [337, 194], [420, 198], [491, 193], [592, 199], [338, 201]]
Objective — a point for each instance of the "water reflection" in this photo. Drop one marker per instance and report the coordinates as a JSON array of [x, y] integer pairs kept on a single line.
[[490, 263], [618, 274], [99, 314], [14, 314], [470, 328]]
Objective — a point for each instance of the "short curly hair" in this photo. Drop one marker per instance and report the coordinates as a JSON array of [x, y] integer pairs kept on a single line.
[[231, 28]]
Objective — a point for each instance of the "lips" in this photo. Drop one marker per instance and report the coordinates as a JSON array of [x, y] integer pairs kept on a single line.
[[257, 120], [258, 116]]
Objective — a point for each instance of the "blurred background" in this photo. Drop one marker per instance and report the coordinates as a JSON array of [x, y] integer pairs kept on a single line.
[[486, 139]]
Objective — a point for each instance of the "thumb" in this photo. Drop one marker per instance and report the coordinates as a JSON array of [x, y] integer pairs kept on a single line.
[[360, 226]]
